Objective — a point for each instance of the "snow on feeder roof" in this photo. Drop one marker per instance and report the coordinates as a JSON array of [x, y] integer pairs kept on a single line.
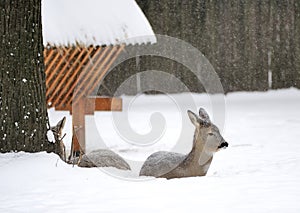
[[94, 22]]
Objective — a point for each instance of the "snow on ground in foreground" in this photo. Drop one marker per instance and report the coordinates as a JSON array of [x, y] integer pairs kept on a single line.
[[259, 172]]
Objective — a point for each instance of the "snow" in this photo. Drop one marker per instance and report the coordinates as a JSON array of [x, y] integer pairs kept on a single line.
[[94, 22], [50, 136], [258, 172]]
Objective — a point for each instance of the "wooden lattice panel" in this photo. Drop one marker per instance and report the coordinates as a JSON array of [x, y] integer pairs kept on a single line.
[[64, 65]]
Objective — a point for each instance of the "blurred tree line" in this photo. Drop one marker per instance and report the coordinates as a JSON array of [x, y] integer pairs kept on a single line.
[[252, 44]]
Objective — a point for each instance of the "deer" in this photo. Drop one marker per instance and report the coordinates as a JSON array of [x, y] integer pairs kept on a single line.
[[96, 158], [103, 158], [207, 141], [58, 137]]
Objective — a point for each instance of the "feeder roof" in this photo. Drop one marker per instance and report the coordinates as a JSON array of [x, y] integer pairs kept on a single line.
[[94, 22]]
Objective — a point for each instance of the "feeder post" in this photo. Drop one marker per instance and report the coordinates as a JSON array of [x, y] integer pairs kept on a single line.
[[78, 123]]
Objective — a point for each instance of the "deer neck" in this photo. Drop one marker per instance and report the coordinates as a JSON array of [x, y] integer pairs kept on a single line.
[[198, 155]]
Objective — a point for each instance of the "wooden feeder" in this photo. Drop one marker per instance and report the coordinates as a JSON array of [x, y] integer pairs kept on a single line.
[[65, 91], [80, 49]]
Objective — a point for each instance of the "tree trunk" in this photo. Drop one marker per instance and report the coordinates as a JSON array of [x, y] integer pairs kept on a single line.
[[23, 111]]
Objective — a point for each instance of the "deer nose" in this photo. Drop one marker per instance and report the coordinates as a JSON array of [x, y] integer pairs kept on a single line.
[[223, 144]]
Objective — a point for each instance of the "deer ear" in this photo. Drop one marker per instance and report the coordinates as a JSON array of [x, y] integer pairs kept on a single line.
[[61, 123], [59, 126], [203, 115], [193, 117]]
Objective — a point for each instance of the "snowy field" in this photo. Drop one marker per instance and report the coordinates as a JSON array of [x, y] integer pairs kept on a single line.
[[258, 172]]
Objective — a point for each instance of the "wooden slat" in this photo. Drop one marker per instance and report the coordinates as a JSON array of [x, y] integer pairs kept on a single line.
[[86, 73], [53, 61], [83, 92], [103, 73], [48, 54], [64, 85], [70, 83], [58, 82], [56, 69]]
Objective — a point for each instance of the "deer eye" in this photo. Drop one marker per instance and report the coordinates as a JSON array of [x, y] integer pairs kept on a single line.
[[211, 134]]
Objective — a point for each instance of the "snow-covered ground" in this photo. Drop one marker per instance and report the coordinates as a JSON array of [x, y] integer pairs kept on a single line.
[[258, 172]]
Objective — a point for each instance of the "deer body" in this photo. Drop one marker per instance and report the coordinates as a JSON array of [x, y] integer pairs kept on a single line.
[[207, 141], [103, 158]]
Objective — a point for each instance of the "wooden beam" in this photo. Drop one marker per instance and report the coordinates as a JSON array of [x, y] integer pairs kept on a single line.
[[103, 104], [93, 104], [78, 123]]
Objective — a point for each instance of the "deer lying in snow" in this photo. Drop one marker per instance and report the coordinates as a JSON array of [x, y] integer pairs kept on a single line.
[[103, 158], [207, 141], [96, 158]]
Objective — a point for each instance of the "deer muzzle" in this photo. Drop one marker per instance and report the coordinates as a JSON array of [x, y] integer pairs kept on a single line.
[[223, 145]]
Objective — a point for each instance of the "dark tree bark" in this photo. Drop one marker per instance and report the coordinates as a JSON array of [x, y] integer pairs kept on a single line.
[[23, 112], [297, 42], [285, 71]]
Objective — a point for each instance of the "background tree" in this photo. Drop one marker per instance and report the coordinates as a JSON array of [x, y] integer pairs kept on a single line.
[[23, 112]]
